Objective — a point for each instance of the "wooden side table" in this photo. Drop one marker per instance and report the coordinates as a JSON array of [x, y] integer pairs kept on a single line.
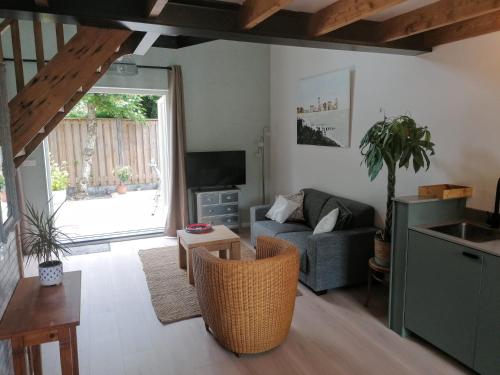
[[378, 273], [221, 239], [37, 315]]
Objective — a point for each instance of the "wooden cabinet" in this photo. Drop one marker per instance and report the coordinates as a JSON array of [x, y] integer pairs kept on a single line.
[[452, 300]]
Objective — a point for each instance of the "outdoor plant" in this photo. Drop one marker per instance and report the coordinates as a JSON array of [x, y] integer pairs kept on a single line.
[[123, 173], [2, 182], [59, 175], [396, 142], [42, 239]]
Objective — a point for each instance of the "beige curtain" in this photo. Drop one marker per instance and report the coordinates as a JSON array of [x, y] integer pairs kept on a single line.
[[177, 208]]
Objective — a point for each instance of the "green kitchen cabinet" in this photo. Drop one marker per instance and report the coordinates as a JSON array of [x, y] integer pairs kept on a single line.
[[452, 299], [408, 212], [443, 284], [487, 359]]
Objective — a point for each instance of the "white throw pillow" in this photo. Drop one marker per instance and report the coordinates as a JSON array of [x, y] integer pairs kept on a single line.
[[328, 222], [281, 209]]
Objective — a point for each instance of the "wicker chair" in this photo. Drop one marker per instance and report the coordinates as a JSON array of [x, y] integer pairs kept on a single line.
[[248, 305]]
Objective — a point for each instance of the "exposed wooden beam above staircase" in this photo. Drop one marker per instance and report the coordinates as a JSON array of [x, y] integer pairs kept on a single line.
[[60, 84]]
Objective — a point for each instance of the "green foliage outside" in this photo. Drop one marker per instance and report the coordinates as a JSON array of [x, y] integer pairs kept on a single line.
[[124, 173], [129, 107], [395, 142], [309, 136], [2, 182], [149, 105], [59, 175]]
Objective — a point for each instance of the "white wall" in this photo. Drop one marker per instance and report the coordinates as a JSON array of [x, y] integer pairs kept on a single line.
[[454, 90], [226, 89]]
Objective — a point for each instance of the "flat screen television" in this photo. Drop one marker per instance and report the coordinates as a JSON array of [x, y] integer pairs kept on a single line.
[[218, 168]]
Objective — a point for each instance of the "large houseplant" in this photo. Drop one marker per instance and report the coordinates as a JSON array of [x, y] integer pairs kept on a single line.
[[396, 142], [45, 243]]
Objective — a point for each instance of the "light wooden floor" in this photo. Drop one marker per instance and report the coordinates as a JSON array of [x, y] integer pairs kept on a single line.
[[331, 334]]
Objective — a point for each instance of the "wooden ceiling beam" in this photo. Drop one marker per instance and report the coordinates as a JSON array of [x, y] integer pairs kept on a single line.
[[439, 14], [155, 7], [209, 20], [344, 12], [489, 23], [254, 12]]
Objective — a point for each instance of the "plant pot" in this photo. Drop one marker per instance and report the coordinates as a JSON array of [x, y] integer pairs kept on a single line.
[[3, 196], [382, 253], [51, 273], [121, 189]]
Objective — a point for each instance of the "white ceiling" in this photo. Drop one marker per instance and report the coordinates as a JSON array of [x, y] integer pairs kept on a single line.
[[312, 6]]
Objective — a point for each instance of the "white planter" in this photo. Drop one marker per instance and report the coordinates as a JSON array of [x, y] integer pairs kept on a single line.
[[51, 273]]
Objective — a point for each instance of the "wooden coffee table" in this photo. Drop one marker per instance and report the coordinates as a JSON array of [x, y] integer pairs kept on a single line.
[[221, 239]]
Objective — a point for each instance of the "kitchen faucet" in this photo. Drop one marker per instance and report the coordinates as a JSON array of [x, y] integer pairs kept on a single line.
[[494, 219]]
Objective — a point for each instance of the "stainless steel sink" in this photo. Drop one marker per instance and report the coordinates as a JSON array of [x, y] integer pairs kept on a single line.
[[469, 232]]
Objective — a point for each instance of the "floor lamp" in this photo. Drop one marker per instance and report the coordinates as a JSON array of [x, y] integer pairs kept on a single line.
[[261, 151]]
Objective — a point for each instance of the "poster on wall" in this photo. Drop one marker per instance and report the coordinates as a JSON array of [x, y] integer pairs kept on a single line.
[[324, 109]]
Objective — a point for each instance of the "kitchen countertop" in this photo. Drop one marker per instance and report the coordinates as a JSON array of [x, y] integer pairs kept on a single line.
[[490, 247], [418, 199]]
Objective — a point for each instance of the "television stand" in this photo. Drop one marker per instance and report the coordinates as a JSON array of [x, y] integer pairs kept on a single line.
[[216, 206]]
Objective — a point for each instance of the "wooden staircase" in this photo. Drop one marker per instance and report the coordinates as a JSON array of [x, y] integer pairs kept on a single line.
[[58, 86]]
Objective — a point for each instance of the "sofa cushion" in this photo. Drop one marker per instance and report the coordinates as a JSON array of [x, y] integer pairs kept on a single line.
[[299, 239], [314, 201], [272, 228], [345, 215], [298, 214], [281, 209], [363, 215], [327, 222]]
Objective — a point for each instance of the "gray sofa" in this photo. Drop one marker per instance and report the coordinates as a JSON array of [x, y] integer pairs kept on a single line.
[[327, 260]]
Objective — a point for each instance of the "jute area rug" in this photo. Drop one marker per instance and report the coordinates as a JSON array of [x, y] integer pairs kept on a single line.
[[172, 296]]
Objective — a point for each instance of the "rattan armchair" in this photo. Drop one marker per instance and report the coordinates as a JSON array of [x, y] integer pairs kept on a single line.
[[248, 305]]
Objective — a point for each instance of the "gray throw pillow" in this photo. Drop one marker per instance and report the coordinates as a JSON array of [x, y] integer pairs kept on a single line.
[[345, 215], [298, 214]]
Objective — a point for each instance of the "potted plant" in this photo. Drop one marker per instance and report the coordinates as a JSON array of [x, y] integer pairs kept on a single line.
[[396, 142], [44, 242], [123, 173], [3, 194]]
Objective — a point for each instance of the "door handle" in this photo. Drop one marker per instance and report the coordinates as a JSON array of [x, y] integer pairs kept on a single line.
[[470, 255]]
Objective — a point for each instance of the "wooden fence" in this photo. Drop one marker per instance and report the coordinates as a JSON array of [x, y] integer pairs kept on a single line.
[[119, 143]]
